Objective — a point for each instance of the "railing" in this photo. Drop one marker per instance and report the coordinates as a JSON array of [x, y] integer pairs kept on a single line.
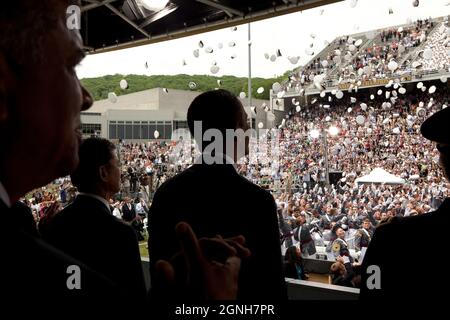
[[296, 289]]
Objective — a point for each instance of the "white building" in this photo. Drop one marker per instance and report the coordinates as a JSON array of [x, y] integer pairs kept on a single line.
[[138, 115]]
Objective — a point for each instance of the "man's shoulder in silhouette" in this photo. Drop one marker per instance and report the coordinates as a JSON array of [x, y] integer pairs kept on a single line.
[[31, 269], [215, 199], [409, 253], [88, 231]]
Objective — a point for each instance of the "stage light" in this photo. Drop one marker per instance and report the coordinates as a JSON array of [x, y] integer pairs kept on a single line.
[[333, 131], [154, 5], [314, 133]]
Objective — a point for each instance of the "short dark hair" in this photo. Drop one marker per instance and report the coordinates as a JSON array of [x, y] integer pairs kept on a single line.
[[93, 153], [23, 26], [217, 109]]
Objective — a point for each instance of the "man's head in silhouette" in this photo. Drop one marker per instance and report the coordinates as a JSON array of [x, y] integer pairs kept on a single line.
[[98, 171], [40, 95], [436, 128], [219, 110]]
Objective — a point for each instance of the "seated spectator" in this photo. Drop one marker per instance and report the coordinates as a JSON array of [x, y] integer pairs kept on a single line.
[[293, 264], [344, 274]]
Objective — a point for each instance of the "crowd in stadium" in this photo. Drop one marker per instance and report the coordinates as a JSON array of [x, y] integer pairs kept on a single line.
[[389, 138], [373, 128], [348, 60]]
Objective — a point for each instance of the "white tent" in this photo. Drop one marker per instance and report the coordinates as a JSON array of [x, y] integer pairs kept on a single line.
[[379, 175]]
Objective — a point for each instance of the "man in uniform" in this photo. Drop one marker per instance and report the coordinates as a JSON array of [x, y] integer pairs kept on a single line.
[[363, 236], [303, 235], [401, 242], [340, 246]]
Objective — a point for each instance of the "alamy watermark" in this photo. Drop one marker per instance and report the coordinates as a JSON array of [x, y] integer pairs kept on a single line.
[[373, 281], [252, 146], [73, 281], [73, 17]]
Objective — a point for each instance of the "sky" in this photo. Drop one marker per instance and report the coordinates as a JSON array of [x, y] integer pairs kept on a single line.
[[289, 33]]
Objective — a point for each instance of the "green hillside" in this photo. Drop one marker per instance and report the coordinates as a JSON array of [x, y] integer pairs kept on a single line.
[[100, 87]]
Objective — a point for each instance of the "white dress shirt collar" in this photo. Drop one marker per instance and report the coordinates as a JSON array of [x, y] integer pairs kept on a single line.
[[4, 196], [102, 200]]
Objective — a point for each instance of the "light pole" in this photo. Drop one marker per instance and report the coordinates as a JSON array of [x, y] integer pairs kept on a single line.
[[315, 133]]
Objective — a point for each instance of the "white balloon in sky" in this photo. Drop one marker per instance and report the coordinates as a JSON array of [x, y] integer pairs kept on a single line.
[[276, 87], [112, 97], [294, 60], [427, 53], [123, 84], [214, 69], [360, 120], [432, 89], [392, 65]]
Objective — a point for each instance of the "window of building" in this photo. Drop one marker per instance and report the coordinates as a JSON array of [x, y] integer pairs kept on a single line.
[[136, 130], [128, 130], [91, 129], [144, 131], [120, 130], [113, 130]]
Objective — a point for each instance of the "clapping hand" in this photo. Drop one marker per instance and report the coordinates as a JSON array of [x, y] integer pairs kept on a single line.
[[209, 267]]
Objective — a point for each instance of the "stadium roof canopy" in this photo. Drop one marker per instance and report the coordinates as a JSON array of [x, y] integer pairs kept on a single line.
[[117, 24]]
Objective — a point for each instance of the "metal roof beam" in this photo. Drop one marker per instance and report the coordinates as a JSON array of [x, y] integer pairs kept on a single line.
[[125, 18], [229, 11], [95, 4]]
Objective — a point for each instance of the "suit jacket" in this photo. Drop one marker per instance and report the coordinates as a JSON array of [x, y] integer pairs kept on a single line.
[[401, 248], [32, 270], [215, 199], [307, 244], [88, 231], [128, 215]]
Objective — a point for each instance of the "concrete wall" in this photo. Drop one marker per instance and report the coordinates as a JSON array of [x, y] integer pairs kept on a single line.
[[297, 289], [306, 290]]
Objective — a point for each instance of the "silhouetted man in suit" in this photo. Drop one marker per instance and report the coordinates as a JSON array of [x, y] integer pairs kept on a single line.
[[401, 246], [87, 230], [215, 199], [40, 103]]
